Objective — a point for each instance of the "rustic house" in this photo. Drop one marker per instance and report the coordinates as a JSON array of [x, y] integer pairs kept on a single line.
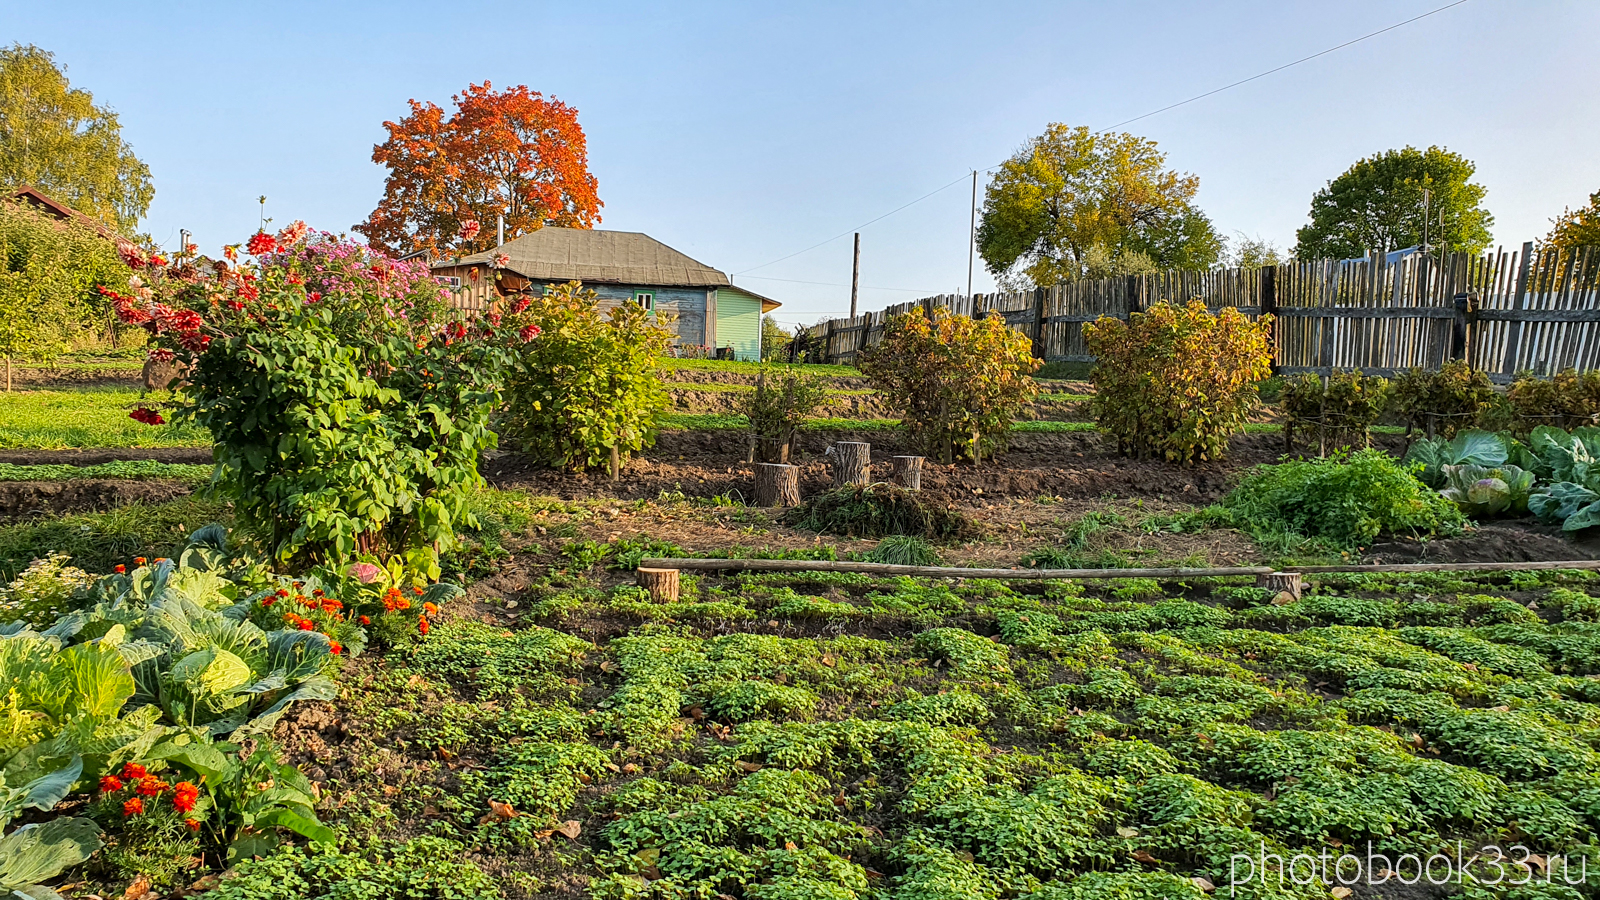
[[697, 302]]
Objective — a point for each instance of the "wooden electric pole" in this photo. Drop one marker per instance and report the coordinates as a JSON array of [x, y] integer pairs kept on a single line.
[[855, 276], [972, 230]]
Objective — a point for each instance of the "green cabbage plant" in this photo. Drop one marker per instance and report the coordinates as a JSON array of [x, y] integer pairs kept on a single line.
[[1468, 448], [1484, 491]]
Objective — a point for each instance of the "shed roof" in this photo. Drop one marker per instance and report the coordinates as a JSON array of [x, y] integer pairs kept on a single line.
[[606, 257], [31, 195]]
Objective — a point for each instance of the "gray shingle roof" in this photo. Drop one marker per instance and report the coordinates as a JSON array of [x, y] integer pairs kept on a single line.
[[591, 256]]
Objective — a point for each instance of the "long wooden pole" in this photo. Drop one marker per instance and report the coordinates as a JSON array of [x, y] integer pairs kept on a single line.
[[972, 232], [855, 276], [807, 565]]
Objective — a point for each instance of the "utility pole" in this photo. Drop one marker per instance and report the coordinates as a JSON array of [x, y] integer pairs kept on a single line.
[[501, 231], [972, 230], [1425, 246], [855, 276]]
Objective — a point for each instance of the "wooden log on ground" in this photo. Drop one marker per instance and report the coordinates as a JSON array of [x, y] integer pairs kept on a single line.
[[906, 471], [777, 484], [808, 565], [852, 463], [1281, 583], [662, 583], [1453, 567]]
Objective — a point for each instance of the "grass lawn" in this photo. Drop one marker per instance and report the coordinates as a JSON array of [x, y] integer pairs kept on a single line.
[[130, 468], [92, 417]]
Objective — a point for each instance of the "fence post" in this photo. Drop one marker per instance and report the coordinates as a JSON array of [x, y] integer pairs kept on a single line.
[[1134, 300], [1269, 307], [1466, 315], [1518, 301], [1038, 322]]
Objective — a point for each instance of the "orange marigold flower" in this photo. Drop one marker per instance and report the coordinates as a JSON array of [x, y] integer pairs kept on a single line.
[[138, 560], [121, 569], [133, 806], [417, 591], [335, 648], [109, 783], [151, 786], [132, 771], [365, 620], [422, 625], [184, 796], [194, 824], [304, 625]]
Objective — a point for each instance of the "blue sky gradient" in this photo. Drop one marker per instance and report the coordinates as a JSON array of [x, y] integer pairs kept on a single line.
[[742, 133]]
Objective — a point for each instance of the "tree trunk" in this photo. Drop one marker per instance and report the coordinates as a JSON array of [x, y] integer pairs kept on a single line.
[[1281, 584], [616, 463], [8, 374], [906, 471], [777, 484], [852, 462], [661, 583]]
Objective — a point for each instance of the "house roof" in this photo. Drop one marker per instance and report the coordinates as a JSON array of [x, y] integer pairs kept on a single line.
[[605, 257], [35, 197], [767, 303]]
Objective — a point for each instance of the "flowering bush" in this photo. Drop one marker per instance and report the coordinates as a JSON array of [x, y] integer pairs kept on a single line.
[[363, 604], [348, 401], [43, 591]]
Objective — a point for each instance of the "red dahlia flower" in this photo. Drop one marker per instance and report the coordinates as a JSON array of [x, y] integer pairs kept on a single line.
[[261, 244]]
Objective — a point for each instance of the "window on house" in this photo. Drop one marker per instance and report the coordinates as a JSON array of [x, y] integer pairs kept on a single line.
[[646, 300]]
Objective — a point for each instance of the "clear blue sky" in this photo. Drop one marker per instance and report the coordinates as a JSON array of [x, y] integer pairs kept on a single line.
[[742, 133]]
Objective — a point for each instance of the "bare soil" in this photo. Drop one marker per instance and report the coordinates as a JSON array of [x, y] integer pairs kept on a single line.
[[37, 378], [1513, 541], [34, 499]]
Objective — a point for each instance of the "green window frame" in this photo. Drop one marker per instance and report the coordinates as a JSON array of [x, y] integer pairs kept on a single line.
[[646, 300]]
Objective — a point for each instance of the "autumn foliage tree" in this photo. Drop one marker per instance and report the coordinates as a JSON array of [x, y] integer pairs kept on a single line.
[[514, 153]]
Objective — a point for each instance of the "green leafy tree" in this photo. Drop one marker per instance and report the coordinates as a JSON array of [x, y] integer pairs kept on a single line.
[[49, 270], [1254, 252], [774, 337], [957, 381], [784, 398], [1377, 205], [54, 137], [589, 384], [1075, 204], [1576, 227]]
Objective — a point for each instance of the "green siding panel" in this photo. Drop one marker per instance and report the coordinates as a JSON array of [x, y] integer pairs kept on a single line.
[[739, 323]]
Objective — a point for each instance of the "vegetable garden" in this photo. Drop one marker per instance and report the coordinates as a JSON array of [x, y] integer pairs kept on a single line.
[[353, 612]]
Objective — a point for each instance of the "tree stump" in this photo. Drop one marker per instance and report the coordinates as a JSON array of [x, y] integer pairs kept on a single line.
[[661, 583], [906, 471], [852, 461], [777, 484], [1285, 586], [159, 376]]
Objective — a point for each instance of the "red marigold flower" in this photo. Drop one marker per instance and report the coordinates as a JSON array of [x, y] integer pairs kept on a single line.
[[261, 243], [133, 771], [193, 824], [138, 561], [133, 806], [304, 625], [151, 786], [184, 796], [121, 569], [109, 783], [335, 648], [268, 601], [365, 620]]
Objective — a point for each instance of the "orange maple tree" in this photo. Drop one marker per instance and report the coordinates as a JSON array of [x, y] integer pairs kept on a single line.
[[514, 153]]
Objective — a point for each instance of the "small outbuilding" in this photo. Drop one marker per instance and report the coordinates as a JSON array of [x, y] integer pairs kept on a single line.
[[700, 304]]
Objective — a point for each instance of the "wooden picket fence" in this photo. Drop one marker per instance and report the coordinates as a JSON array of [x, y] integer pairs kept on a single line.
[[1503, 313]]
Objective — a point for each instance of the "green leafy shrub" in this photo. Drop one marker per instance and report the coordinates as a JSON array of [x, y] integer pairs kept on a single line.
[[588, 385], [1338, 413], [877, 510], [347, 400], [784, 398], [1444, 402], [957, 381], [1175, 382], [1344, 501], [1565, 400]]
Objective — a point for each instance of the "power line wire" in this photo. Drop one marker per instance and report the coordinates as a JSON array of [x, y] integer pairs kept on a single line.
[[864, 287], [1119, 125]]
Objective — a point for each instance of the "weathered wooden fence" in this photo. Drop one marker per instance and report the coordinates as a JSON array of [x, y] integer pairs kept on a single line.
[[1502, 312]]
